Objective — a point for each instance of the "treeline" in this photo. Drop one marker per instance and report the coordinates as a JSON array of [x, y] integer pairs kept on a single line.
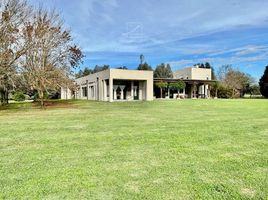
[[37, 54]]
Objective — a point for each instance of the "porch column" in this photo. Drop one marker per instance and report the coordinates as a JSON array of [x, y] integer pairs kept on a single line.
[[81, 92], [111, 90], [194, 85], [114, 89], [87, 90], [208, 91], [132, 90], [96, 91], [140, 90], [205, 91], [122, 92], [100, 90], [104, 91], [168, 93]]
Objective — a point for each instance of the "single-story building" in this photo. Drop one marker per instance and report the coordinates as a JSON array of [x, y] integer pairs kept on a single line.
[[129, 85], [113, 85]]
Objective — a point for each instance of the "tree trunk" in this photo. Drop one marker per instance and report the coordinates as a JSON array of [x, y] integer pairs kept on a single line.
[[3, 97], [41, 97], [6, 96], [161, 95]]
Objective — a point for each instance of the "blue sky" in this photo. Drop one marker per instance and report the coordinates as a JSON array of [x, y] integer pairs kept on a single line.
[[179, 32]]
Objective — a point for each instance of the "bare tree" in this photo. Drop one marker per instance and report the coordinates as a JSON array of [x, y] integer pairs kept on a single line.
[[13, 15], [235, 80], [48, 63]]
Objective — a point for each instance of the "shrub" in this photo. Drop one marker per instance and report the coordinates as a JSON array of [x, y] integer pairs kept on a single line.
[[19, 96], [224, 92]]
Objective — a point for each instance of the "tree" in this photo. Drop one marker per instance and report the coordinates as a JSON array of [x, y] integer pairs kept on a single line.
[[144, 66], [235, 80], [52, 56], [214, 89], [161, 85], [179, 85], [253, 90], [85, 72], [223, 70], [13, 16], [100, 68], [124, 67], [163, 71], [213, 75], [263, 83]]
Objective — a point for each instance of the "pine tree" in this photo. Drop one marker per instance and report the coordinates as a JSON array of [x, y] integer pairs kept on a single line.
[[264, 83]]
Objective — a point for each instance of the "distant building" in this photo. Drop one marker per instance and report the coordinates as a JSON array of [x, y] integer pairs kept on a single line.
[[129, 85]]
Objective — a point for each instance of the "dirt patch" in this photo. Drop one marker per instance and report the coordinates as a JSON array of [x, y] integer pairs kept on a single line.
[[248, 192]]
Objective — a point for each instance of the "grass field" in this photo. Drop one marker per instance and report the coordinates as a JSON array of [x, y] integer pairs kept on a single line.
[[184, 149]]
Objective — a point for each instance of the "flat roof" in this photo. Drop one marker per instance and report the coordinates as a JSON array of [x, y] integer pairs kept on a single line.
[[185, 80]]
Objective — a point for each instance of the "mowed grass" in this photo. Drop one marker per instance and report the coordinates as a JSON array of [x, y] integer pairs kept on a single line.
[[184, 149]]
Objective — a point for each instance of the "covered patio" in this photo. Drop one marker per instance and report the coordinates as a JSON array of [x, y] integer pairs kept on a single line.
[[194, 89]]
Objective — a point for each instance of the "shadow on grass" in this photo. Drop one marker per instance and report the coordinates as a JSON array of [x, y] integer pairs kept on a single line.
[[49, 104]]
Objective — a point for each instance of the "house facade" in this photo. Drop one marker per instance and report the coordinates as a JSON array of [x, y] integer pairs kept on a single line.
[[114, 85], [130, 85]]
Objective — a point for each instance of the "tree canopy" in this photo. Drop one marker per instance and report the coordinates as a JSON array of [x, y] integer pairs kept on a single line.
[[234, 80], [179, 85], [87, 71], [163, 71], [145, 66], [35, 49]]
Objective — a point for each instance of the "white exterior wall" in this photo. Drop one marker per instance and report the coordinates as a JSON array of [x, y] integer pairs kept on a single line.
[[137, 75], [66, 93], [201, 74], [193, 73], [100, 85]]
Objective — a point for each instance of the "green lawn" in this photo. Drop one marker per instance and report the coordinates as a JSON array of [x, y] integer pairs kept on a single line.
[[184, 149]]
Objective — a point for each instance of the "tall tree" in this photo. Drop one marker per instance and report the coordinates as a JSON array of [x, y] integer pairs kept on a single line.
[[49, 62], [264, 83], [163, 71], [144, 66], [13, 16]]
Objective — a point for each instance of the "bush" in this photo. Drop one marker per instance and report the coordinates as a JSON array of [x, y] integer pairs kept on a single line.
[[19, 96], [224, 92]]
